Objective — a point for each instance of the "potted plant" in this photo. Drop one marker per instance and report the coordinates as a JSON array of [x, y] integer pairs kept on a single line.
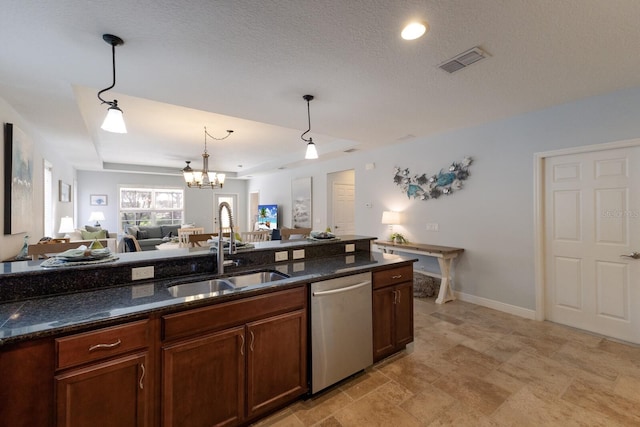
[[398, 238]]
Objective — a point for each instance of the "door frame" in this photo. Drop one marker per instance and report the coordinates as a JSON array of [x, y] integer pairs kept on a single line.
[[538, 209]]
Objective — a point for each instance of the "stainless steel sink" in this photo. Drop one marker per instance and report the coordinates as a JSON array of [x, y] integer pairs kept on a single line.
[[225, 284], [242, 280], [197, 288]]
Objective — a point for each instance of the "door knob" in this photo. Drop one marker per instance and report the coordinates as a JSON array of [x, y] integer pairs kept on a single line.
[[634, 255]]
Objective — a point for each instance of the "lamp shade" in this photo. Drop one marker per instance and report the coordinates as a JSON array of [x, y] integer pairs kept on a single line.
[[311, 153], [96, 216], [390, 217], [66, 225], [114, 122]]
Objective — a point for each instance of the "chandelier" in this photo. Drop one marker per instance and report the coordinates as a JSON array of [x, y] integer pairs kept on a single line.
[[204, 178]]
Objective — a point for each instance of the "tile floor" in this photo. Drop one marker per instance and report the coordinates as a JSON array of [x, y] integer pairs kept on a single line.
[[473, 366]]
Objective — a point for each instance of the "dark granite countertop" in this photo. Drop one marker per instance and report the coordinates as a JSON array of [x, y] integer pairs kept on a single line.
[[58, 314]]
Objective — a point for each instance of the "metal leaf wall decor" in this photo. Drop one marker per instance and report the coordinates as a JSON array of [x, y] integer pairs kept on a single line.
[[425, 187]]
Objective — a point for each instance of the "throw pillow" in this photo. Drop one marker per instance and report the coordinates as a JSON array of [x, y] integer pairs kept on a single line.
[[93, 229], [91, 235], [143, 234], [75, 235], [133, 230]]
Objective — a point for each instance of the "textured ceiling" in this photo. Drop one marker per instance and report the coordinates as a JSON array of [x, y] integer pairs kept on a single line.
[[245, 64]]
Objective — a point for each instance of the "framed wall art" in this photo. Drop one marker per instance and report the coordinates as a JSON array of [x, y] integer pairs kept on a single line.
[[18, 180], [98, 200], [301, 202], [64, 190]]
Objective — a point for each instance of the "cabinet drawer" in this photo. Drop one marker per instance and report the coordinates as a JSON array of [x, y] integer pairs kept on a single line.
[[90, 346], [229, 314], [392, 276]]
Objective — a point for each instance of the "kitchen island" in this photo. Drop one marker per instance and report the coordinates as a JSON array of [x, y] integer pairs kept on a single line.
[[146, 336]]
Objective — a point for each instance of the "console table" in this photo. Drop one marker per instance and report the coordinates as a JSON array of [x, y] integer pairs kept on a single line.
[[444, 254]]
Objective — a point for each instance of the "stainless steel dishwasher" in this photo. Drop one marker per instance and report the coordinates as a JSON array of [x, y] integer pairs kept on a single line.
[[341, 329]]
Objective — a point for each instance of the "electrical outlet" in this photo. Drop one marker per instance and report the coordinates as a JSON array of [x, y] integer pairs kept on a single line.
[[298, 254], [350, 247], [140, 273], [282, 256], [141, 291], [432, 226]]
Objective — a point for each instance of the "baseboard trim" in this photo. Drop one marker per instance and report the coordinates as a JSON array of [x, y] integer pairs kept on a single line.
[[497, 305]]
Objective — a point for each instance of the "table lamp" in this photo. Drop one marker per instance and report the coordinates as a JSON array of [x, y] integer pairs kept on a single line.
[[96, 216], [66, 226]]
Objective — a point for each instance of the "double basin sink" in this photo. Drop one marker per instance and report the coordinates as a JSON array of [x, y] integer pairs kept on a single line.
[[225, 283]]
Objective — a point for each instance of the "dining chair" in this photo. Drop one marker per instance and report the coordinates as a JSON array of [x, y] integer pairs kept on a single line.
[[183, 235], [294, 233], [255, 236]]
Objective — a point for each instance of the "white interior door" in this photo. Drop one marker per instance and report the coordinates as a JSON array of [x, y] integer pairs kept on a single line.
[[592, 220], [343, 209]]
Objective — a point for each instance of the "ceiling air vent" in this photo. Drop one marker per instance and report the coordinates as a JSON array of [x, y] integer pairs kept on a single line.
[[463, 60]]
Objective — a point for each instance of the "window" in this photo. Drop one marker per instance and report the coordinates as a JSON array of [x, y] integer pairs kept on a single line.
[[151, 206]]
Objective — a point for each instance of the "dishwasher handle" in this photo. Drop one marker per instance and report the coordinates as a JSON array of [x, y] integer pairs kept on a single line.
[[340, 290]]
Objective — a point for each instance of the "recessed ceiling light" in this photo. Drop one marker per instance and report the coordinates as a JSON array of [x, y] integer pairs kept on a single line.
[[414, 30]]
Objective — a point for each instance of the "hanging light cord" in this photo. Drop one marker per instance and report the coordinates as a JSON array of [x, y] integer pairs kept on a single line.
[[308, 98], [113, 41]]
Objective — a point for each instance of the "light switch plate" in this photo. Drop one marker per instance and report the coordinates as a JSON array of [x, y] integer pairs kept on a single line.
[[350, 247], [282, 256], [298, 254]]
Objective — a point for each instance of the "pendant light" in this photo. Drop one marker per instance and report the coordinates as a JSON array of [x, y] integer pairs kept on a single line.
[[204, 178], [114, 122], [311, 153]]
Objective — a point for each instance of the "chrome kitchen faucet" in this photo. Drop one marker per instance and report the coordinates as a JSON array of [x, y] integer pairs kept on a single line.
[[232, 240]]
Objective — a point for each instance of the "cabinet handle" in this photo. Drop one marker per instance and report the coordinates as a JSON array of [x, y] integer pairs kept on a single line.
[[252, 340], [142, 377], [397, 276], [399, 297], [395, 297], [242, 345], [99, 346]]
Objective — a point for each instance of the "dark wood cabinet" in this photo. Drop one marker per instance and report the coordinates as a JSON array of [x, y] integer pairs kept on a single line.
[[392, 310], [111, 393], [26, 394], [253, 360], [277, 361], [104, 377], [203, 380]]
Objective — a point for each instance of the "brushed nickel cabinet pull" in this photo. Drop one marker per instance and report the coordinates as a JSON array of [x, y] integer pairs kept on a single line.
[[142, 377], [242, 345], [105, 346], [253, 337], [397, 276], [399, 296]]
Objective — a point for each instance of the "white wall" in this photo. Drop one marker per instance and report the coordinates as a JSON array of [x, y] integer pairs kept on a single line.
[[199, 203], [492, 216], [10, 245]]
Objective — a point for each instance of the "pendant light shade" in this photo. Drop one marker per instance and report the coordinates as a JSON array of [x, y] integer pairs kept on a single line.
[[114, 122], [311, 153]]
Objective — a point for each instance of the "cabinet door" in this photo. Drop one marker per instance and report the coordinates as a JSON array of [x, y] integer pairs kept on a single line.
[[277, 361], [404, 314], [112, 393], [203, 380], [383, 323]]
